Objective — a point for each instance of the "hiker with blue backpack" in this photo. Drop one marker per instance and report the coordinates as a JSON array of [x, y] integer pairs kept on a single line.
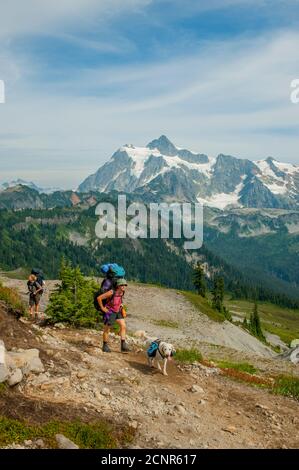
[[109, 301]]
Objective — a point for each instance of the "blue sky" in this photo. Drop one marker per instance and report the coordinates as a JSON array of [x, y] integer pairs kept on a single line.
[[86, 76]]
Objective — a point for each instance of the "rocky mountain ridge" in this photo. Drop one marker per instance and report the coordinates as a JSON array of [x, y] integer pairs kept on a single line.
[[171, 173]]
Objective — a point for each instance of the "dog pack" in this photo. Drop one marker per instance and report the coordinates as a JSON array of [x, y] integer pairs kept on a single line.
[[153, 348]]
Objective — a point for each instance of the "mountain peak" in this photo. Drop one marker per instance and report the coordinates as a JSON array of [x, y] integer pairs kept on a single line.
[[164, 145]]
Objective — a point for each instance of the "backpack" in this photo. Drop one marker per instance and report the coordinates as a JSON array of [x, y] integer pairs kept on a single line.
[[101, 291], [112, 271], [152, 350], [32, 287], [39, 275]]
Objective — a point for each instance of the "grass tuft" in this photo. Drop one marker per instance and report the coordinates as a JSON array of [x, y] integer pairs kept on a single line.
[[166, 323], [241, 366], [287, 386], [188, 355], [98, 435], [12, 299]]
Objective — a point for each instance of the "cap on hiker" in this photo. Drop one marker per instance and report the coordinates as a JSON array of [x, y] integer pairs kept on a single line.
[[121, 282]]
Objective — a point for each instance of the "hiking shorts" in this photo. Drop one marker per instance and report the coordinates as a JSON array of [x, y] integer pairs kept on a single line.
[[34, 299], [112, 317]]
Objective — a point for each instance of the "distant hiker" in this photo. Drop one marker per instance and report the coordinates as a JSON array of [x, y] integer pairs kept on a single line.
[[39, 277], [34, 290], [111, 304]]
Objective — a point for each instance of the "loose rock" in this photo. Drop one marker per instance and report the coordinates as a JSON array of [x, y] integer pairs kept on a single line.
[[15, 377], [196, 389], [65, 443]]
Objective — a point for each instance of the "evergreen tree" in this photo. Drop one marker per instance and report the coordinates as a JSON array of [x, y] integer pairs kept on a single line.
[[255, 324], [199, 280], [218, 294], [72, 302]]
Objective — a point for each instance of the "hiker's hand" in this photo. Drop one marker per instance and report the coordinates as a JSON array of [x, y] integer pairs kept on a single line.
[[105, 310]]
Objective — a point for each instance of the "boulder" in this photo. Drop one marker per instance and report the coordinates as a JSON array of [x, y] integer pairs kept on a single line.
[[27, 360], [3, 373], [15, 377], [294, 343], [65, 443], [3, 367], [292, 355]]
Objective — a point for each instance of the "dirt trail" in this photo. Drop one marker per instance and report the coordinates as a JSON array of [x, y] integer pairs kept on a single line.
[[149, 305], [121, 387], [219, 413]]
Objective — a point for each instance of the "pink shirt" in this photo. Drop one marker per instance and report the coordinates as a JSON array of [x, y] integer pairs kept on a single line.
[[114, 304]]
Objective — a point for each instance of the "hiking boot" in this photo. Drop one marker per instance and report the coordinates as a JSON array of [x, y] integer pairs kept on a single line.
[[125, 348], [106, 348]]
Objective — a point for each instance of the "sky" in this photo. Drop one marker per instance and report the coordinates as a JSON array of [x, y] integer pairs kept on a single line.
[[83, 77]]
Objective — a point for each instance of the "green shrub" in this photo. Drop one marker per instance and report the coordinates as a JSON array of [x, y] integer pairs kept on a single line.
[[188, 355], [72, 302], [287, 386]]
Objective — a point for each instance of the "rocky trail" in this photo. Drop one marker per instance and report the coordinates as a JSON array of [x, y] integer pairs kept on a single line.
[[195, 406]]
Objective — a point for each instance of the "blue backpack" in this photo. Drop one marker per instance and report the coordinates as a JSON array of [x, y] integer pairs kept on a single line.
[[113, 270], [152, 350]]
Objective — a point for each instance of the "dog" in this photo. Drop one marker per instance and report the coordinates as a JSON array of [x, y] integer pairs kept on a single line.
[[161, 351]]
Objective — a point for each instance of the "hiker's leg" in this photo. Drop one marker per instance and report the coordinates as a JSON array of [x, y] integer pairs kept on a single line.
[[122, 331], [105, 339], [106, 333], [36, 305], [31, 306], [122, 324]]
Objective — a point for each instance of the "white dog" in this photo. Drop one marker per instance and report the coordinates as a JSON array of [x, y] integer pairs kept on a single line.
[[161, 351]]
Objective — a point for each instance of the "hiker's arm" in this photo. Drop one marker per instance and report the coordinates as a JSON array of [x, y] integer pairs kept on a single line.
[[106, 295], [39, 288]]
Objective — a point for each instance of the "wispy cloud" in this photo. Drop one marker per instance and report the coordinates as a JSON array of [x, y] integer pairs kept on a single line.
[[35, 16], [229, 96]]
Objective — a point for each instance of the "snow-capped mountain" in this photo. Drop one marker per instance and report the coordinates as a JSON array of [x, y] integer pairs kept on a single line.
[[171, 173], [29, 184]]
